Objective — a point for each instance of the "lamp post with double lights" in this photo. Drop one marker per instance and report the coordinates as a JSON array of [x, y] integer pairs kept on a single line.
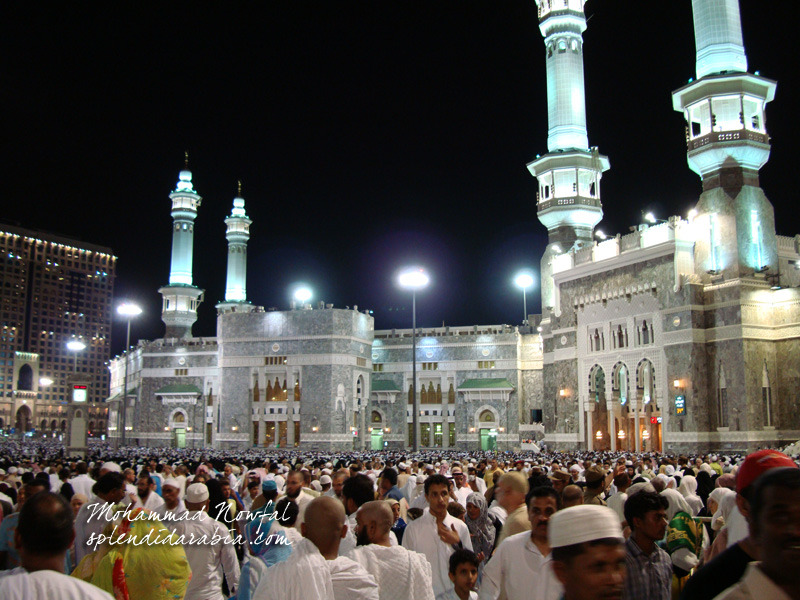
[[75, 346], [414, 279], [129, 311], [524, 280]]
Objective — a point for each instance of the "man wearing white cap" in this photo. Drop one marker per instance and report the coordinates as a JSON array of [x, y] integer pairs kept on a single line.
[[208, 546], [588, 552]]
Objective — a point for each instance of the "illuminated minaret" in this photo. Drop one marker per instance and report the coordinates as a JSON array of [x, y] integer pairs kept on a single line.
[[238, 234], [568, 201], [180, 297], [727, 145]]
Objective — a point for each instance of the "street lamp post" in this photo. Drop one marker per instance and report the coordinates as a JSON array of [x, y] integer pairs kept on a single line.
[[128, 311], [75, 346], [524, 280], [414, 279]]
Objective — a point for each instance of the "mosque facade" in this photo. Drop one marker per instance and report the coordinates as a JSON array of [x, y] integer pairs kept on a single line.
[[680, 335]]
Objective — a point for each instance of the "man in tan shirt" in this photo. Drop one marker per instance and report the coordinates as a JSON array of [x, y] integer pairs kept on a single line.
[[511, 491]]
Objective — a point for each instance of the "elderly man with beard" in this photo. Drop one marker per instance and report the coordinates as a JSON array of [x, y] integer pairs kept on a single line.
[[173, 506], [521, 568], [146, 494], [401, 574]]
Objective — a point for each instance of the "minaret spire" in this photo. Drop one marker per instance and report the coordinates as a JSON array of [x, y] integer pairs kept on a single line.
[[181, 297], [238, 234], [727, 146], [568, 202]]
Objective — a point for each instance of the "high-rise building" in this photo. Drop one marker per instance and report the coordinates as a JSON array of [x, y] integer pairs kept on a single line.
[[55, 290]]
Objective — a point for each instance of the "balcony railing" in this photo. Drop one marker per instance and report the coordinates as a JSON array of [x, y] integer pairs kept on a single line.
[[571, 201], [727, 136]]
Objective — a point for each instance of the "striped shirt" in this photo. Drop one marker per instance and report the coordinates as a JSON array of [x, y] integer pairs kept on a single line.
[[649, 576]]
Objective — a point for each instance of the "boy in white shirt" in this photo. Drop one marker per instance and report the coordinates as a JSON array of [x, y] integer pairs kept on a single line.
[[463, 573]]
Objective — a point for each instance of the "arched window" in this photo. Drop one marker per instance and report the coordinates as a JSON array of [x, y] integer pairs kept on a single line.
[[646, 381], [487, 416], [722, 399], [766, 397], [621, 383], [597, 384], [25, 379], [376, 417]]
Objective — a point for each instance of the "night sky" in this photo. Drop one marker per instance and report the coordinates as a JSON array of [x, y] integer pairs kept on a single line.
[[367, 135]]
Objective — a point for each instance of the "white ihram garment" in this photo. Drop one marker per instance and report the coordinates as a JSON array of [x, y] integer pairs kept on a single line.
[[351, 581], [401, 574], [302, 576]]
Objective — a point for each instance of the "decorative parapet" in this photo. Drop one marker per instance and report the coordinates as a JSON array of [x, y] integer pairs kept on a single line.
[[673, 230]]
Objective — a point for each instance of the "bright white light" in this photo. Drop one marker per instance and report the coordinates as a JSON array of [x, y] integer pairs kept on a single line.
[[76, 345], [302, 295], [129, 310], [414, 278], [600, 234], [524, 280], [45, 381], [692, 214], [556, 248], [650, 217]]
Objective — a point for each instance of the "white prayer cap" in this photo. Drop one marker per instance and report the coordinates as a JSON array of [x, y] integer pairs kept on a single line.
[[12, 470], [402, 466], [172, 482], [326, 471], [111, 467], [197, 493], [316, 486], [325, 480], [584, 523]]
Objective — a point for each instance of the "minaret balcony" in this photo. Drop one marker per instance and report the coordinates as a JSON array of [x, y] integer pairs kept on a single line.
[[571, 201], [727, 136]]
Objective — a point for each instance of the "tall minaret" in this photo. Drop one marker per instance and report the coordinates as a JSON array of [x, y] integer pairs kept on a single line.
[[180, 297], [238, 234], [727, 145], [568, 201]]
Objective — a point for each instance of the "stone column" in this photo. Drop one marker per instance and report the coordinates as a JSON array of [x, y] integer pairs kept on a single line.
[[589, 429], [611, 426]]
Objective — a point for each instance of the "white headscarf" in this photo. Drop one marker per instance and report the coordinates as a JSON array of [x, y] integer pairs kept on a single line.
[[677, 503], [726, 501]]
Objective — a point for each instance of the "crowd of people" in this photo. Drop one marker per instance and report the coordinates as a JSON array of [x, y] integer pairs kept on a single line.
[[158, 523]]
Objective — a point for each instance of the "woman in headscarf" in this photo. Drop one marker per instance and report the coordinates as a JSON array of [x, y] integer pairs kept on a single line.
[[720, 522], [688, 489], [704, 487], [685, 539], [714, 501], [482, 531]]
